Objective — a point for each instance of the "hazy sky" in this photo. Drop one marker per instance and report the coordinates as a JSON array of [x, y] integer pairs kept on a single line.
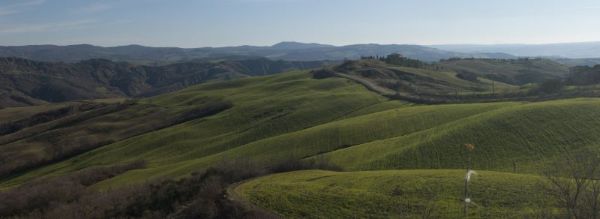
[[197, 23]]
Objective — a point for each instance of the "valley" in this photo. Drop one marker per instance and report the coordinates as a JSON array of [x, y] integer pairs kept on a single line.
[[269, 109], [329, 121]]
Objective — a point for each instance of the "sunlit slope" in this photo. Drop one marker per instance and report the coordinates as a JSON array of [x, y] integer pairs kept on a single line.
[[393, 194], [353, 131], [396, 80], [293, 116], [263, 107], [336, 135], [522, 136]]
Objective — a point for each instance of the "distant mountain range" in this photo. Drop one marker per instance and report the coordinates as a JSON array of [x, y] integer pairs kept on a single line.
[[290, 51], [563, 50]]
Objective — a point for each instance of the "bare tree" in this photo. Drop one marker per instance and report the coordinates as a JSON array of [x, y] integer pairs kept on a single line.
[[573, 182]]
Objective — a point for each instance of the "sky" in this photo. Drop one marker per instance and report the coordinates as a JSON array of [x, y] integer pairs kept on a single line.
[[203, 23]]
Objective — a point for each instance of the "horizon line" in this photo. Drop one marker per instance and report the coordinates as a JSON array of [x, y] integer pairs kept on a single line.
[[325, 44]]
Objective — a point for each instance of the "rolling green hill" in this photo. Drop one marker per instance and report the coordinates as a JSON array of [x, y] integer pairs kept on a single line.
[[511, 71], [342, 121], [525, 134], [419, 81], [394, 194], [263, 107], [294, 116], [25, 82]]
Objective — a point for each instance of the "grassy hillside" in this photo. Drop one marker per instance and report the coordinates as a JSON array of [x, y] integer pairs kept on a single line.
[[523, 135], [262, 107], [423, 81], [293, 116], [512, 71], [414, 81], [394, 194], [25, 82]]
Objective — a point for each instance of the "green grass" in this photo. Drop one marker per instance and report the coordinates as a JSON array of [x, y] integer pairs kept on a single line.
[[420, 82], [338, 119], [291, 115], [394, 194], [449, 83], [523, 134], [519, 71], [264, 107]]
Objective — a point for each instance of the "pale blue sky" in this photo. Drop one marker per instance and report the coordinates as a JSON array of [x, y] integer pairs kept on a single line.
[[198, 23]]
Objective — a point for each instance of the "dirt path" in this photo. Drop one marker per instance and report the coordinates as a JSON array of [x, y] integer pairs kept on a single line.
[[368, 84]]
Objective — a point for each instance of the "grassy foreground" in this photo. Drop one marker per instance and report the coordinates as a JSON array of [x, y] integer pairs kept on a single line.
[[394, 194]]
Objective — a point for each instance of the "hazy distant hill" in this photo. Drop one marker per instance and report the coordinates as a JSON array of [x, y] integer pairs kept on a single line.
[[578, 62], [566, 50], [291, 51], [26, 82], [356, 51]]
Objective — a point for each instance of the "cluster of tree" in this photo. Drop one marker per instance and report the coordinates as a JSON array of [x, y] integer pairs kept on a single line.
[[201, 195], [323, 73], [549, 87], [579, 76], [584, 75], [397, 59], [466, 75]]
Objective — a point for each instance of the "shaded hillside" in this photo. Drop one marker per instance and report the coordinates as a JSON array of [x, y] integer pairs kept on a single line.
[[584, 75], [76, 128], [25, 82], [291, 51], [511, 71]]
